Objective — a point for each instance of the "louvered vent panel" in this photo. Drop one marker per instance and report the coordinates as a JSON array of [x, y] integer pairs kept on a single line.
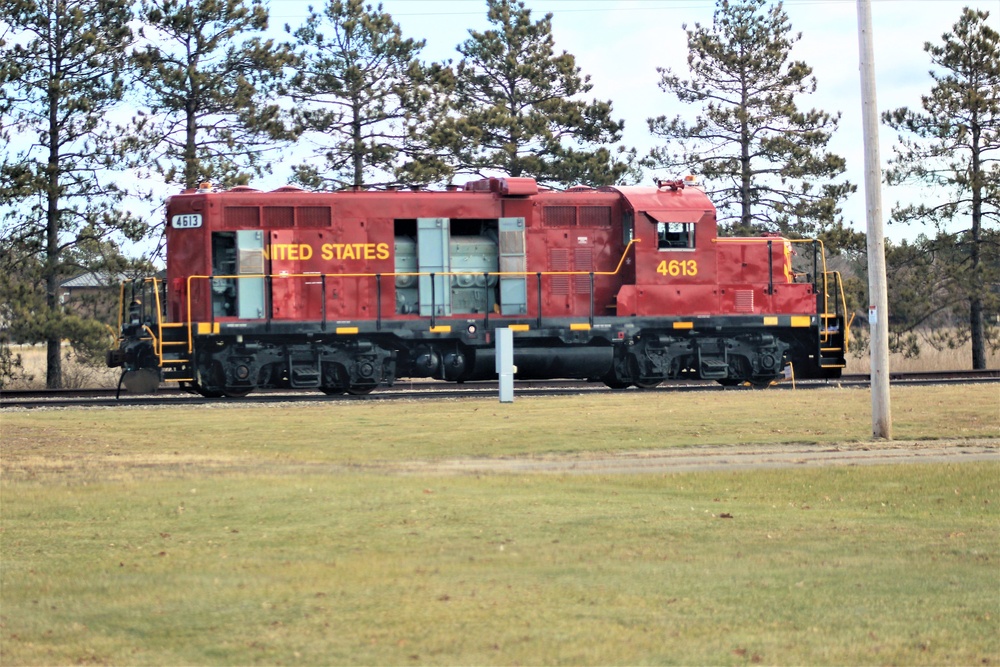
[[584, 262], [744, 301], [241, 217], [559, 261]]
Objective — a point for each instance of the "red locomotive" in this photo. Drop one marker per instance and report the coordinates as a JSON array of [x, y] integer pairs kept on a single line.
[[346, 291]]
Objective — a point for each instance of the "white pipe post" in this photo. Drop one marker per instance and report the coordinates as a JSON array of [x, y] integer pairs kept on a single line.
[[505, 363]]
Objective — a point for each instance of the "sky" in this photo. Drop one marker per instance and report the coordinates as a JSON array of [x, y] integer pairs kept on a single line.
[[620, 43]]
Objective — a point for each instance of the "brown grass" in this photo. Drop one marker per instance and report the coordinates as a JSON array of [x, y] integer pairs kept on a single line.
[[76, 375], [930, 360]]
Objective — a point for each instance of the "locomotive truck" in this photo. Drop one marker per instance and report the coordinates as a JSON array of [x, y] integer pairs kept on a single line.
[[345, 291]]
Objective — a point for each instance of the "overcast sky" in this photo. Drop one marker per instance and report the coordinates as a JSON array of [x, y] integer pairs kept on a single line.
[[620, 43]]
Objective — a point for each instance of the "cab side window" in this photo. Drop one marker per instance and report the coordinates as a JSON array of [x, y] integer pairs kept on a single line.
[[674, 235]]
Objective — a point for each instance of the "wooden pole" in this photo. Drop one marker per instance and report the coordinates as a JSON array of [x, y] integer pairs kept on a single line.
[[878, 309]]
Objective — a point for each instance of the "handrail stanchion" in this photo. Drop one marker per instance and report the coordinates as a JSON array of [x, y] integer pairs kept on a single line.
[[591, 298], [322, 284], [433, 299], [539, 277], [770, 267], [489, 306], [378, 301], [268, 301]]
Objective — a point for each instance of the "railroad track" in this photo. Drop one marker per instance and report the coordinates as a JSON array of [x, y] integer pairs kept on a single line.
[[422, 390]]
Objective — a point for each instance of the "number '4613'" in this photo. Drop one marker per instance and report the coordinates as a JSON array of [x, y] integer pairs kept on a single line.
[[678, 267]]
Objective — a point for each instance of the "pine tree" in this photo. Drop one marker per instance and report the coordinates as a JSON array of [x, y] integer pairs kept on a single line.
[[362, 97], [951, 147], [62, 69], [763, 160], [208, 89], [518, 107]]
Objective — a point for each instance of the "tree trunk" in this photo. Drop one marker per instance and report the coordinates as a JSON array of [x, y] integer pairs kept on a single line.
[[358, 143], [191, 171], [53, 366], [746, 175], [976, 327], [978, 335]]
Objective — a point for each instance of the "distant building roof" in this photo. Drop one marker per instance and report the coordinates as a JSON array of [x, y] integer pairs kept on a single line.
[[93, 279]]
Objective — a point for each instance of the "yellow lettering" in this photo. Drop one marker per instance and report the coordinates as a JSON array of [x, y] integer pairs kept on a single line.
[[369, 251], [349, 251], [326, 251], [305, 252], [382, 251], [676, 268]]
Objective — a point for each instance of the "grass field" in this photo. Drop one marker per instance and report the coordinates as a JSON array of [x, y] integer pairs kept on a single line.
[[286, 535]]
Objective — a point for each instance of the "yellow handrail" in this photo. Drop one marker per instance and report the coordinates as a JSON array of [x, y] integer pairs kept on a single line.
[[502, 274]]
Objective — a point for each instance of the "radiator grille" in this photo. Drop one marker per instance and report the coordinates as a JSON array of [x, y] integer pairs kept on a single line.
[[240, 217], [559, 216], [595, 216], [314, 216], [279, 217]]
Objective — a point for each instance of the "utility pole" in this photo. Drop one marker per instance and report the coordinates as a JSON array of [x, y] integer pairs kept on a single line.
[[878, 308]]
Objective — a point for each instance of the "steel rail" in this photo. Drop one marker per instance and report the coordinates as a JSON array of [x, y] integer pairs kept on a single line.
[[431, 390]]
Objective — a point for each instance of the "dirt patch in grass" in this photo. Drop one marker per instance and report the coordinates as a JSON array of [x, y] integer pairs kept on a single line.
[[81, 468], [724, 459]]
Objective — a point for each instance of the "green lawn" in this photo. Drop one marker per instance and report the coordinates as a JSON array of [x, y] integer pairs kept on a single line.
[[281, 535]]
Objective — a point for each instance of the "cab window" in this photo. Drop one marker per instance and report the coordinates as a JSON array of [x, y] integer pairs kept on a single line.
[[674, 235]]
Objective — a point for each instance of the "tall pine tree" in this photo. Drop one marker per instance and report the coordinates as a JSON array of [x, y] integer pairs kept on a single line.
[[763, 160], [518, 107], [362, 98], [208, 82], [62, 70], [952, 146]]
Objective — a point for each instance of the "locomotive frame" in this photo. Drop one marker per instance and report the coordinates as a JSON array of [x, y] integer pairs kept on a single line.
[[343, 292]]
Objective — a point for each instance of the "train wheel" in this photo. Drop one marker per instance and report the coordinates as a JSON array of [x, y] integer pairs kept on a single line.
[[360, 389], [333, 391], [730, 382], [647, 384], [208, 393], [636, 371], [236, 392]]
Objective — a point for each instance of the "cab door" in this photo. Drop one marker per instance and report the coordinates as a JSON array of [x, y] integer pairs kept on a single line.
[[296, 292]]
